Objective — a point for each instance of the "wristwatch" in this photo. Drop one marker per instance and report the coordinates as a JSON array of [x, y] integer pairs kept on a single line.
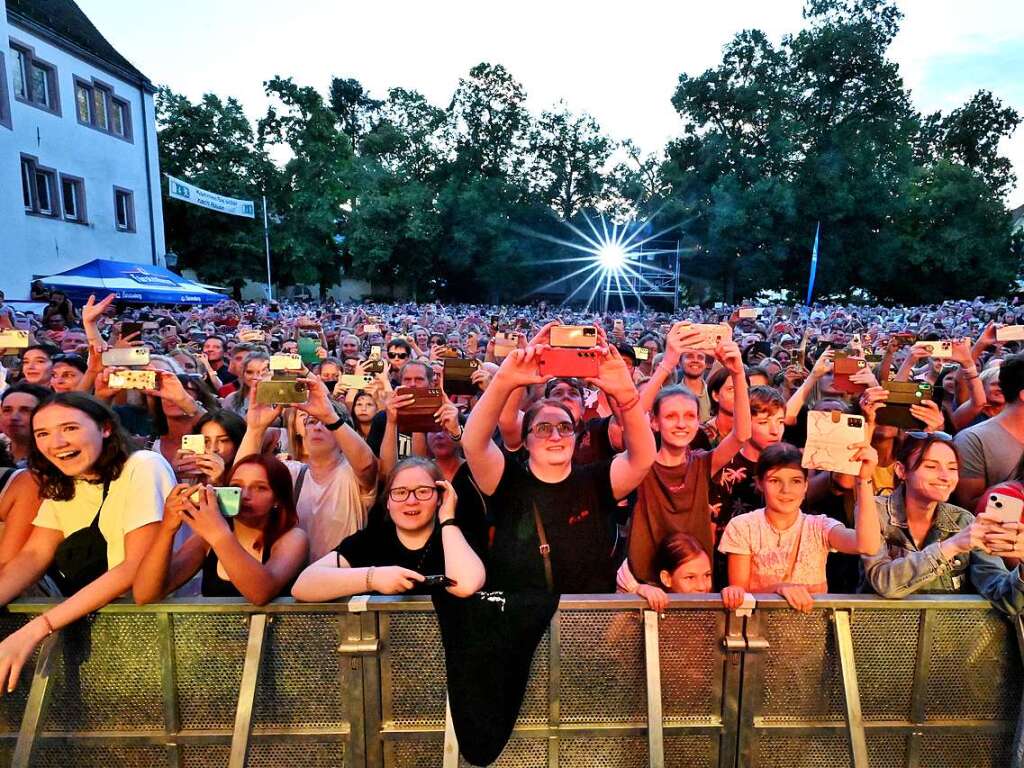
[[335, 426]]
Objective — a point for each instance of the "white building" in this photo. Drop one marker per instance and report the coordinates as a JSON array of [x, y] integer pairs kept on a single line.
[[79, 171]]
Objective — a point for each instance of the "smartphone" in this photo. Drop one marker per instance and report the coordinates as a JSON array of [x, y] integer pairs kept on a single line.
[[505, 343], [352, 381], [711, 335], [132, 380], [574, 336], [13, 339], [1005, 509], [618, 326], [282, 392], [643, 354], [307, 350], [829, 435], [193, 443], [1006, 333], [938, 350], [285, 362], [128, 328], [125, 356], [432, 582], [150, 326], [577, 363], [251, 335], [229, 499], [371, 329], [745, 313], [494, 324]]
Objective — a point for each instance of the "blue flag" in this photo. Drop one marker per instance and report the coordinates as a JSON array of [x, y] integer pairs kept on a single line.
[[814, 265]]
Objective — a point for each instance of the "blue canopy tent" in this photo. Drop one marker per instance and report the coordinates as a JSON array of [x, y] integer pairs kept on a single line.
[[134, 283]]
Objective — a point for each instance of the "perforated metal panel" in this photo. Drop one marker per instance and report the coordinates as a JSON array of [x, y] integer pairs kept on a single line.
[[209, 652], [106, 677], [885, 647], [975, 667], [825, 750], [302, 680], [414, 664], [690, 750], [801, 668], [519, 753], [13, 704], [887, 750], [97, 756], [965, 750], [691, 666], [602, 752], [602, 662], [205, 756], [296, 755], [414, 754], [535, 707]]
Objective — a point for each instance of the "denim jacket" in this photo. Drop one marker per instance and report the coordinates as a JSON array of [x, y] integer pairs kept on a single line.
[[899, 568]]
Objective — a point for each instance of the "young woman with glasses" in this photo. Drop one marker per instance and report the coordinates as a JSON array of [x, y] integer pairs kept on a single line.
[[419, 537], [930, 545], [554, 522]]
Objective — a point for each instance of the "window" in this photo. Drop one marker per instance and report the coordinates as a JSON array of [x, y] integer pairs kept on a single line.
[[124, 210], [98, 107], [35, 81], [38, 188], [73, 198], [5, 100], [82, 103], [20, 68]]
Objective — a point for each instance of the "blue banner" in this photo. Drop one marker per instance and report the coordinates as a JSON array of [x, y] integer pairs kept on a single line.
[[814, 265]]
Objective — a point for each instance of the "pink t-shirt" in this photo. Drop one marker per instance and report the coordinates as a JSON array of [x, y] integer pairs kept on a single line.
[[770, 550]]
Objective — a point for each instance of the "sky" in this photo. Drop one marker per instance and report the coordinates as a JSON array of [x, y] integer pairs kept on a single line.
[[618, 61]]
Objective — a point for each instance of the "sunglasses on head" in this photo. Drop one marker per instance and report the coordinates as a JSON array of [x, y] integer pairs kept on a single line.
[[944, 437]]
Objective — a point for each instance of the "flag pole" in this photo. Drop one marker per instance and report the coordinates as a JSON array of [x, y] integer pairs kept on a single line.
[[266, 240], [814, 265]]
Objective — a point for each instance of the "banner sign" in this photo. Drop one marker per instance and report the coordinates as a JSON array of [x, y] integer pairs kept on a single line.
[[181, 190]]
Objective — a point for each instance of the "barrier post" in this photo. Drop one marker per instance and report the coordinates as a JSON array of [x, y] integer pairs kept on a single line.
[[35, 707], [1018, 741], [169, 687], [652, 663], [554, 686], [851, 689], [247, 690]]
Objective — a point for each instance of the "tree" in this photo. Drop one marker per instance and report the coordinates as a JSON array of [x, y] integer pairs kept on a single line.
[[569, 152], [314, 184], [211, 144], [353, 107]]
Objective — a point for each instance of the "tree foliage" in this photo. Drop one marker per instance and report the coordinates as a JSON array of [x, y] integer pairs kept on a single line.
[[463, 201]]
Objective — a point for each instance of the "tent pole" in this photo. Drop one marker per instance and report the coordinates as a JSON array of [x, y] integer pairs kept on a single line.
[[266, 240]]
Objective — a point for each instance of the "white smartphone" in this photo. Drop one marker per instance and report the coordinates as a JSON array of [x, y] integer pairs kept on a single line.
[[1005, 509], [936, 349], [1005, 333], [286, 361], [13, 339], [748, 312], [121, 356]]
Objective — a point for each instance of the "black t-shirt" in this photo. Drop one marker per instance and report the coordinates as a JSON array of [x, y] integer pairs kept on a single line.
[[378, 544], [578, 517], [225, 376]]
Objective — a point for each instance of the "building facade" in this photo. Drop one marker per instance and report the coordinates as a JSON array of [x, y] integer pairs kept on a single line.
[[79, 169]]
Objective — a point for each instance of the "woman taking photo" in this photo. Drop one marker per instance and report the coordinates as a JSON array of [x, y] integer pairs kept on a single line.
[[254, 554], [255, 368], [222, 433], [554, 522], [421, 536], [930, 545], [101, 508]]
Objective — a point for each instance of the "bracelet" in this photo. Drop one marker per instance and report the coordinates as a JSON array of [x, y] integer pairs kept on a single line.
[[449, 521], [631, 404], [46, 621], [369, 578]]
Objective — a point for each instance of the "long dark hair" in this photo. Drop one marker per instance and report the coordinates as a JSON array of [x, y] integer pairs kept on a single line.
[[283, 516], [117, 446]]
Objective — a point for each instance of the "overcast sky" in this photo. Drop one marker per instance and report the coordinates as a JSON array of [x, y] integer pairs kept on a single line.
[[618, 61]]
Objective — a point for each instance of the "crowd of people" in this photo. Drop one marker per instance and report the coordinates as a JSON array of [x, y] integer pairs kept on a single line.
[[326, 450]]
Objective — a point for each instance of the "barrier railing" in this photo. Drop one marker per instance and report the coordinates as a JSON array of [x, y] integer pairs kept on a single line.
[[928, 681]]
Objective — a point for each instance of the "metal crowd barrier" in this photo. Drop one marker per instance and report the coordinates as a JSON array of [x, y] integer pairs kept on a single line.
[[928, 682]]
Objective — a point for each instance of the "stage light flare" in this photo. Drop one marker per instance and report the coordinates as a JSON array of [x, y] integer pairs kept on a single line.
[[612, 256]]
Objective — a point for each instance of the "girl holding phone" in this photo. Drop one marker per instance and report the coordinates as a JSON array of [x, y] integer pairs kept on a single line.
[[254, 554], [420, 537]]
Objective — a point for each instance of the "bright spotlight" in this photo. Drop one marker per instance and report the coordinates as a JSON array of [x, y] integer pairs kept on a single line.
[[612, 256]]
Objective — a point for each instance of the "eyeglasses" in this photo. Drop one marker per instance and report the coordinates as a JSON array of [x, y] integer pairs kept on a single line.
[[545, 428], [398, 355], [945, 437], [421, 492]]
